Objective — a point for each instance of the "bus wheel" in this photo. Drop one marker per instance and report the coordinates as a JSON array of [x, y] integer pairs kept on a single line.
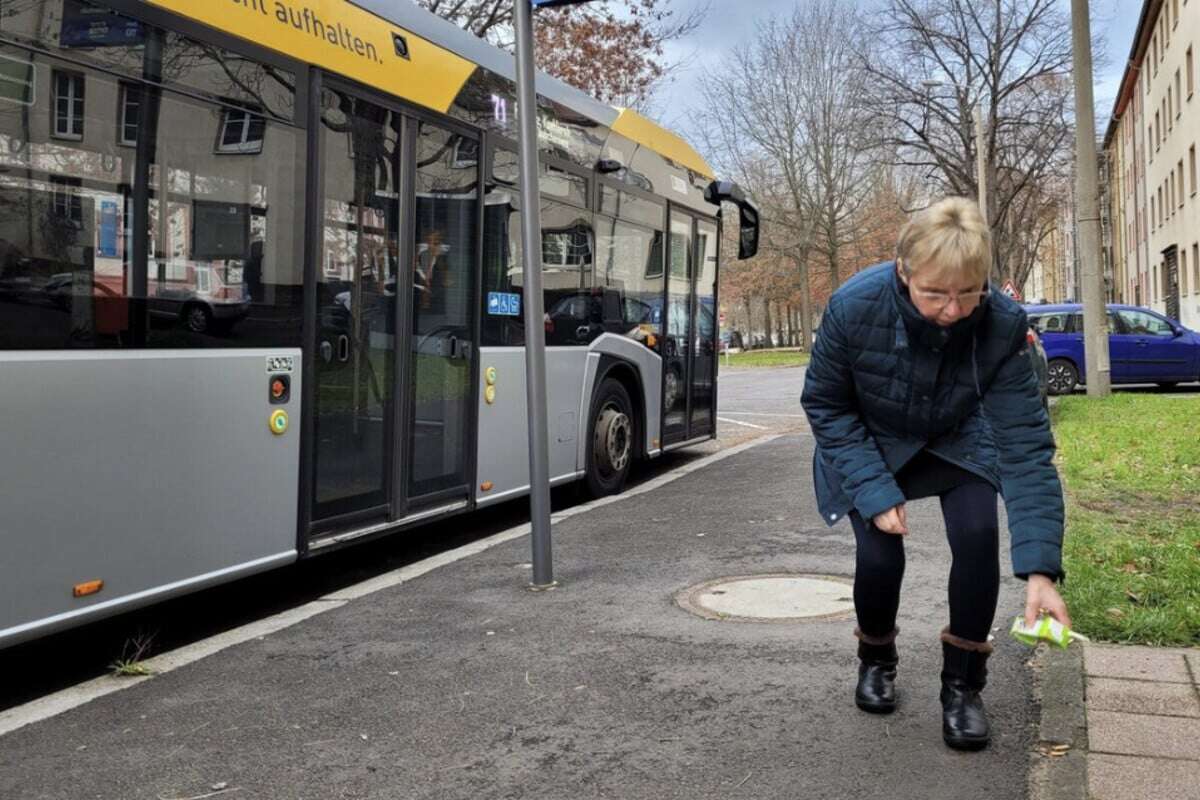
[[610, 439]]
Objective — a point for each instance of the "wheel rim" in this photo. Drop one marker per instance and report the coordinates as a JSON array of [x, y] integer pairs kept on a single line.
[[197, 320], [613, 445], [1060, 378]]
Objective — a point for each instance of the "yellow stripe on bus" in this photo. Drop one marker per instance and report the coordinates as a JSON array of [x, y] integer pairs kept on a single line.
[[341, 38], [633, 125]]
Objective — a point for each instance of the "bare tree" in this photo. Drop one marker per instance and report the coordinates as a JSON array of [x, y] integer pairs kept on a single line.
[[613, 51], [934, 61], [788, 116]]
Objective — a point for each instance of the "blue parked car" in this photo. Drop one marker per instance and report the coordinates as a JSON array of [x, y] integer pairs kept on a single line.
[[1143, 346]]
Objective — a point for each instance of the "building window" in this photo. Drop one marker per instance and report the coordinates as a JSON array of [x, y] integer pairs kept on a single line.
[[1179, 172], [131, 103], [1196, 267], [68, 105], [1191, 80], [1192, 167], [241, 131], [65, 202], [1178, 93]]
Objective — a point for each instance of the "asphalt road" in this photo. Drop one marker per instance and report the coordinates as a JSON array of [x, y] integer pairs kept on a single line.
[[462, 684]]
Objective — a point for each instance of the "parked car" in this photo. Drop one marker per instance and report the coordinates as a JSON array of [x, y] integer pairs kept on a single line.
[[1143, 345]]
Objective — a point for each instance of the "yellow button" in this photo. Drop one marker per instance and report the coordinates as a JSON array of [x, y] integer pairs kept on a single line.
[[279, 422], [489, 375], [489, 394]]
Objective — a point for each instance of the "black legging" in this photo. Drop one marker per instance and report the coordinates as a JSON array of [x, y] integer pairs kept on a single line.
[[969, 509]]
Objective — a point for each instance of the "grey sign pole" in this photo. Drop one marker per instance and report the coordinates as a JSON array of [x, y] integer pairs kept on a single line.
[[535, 329]]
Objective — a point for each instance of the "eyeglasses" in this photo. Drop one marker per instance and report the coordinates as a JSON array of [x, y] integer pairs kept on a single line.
[[940, 300]]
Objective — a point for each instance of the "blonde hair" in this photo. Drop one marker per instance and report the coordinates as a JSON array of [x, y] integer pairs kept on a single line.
[[948, 240]]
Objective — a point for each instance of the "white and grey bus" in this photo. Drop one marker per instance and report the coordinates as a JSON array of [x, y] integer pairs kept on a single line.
[[260, 290]]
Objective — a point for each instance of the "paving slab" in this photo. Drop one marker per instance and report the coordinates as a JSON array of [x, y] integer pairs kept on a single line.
[[461, 683], [1143, 663], [1113, 777], [1143, 697], [1144, 735]]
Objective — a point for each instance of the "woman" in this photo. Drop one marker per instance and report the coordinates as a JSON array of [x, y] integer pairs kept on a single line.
[[920, 385]]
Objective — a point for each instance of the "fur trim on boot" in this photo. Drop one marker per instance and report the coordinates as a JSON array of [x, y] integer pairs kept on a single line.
[[881, 641], [965, 644]]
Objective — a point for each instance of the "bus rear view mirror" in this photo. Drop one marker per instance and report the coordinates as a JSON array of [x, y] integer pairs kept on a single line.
[[747, 232], [748, 220]]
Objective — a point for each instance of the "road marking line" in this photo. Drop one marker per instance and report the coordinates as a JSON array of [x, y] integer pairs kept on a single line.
[[761, 414], [74, 696], [746, 424]]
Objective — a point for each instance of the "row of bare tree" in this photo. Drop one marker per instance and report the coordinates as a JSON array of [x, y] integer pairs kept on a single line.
[[840, 122]]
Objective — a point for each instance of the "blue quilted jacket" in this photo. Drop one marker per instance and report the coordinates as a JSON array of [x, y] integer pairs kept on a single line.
[[883, 383]]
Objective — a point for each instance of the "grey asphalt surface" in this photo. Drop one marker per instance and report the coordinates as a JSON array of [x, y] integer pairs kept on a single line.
[[463, 684]]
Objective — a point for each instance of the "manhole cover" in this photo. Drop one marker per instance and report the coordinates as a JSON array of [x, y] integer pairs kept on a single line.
[[770, 598]]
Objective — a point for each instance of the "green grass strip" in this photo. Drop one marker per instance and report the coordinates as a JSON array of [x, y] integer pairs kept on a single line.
[[1130, 465], [766, 358]]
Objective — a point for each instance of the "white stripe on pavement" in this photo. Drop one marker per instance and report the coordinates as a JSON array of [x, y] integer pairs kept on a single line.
[[761, 414], [746, 424], [66, 699]]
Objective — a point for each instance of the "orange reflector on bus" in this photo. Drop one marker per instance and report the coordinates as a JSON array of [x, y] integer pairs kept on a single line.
[[87, 587], [486, 486]]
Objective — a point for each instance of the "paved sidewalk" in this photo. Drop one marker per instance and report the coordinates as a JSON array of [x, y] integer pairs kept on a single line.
[[1143, 718], [460, 683]]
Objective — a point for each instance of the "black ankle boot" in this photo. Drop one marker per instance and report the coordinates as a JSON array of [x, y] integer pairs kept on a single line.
[[964, 674], [876, 690]]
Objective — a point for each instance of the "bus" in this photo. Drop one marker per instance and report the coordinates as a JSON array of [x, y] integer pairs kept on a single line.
[[261, 283]]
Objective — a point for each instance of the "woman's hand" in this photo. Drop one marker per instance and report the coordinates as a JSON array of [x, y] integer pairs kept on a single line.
[[894, 520], [1040, 595]]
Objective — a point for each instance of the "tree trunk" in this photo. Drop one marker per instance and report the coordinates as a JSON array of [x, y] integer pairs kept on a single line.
[[801, 260], [767, 321], [791, 326]]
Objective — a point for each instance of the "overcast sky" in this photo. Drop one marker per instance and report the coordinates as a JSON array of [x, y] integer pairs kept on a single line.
[[732, 22]]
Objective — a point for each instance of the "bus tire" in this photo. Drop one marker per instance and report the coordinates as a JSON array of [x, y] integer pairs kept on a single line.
[[611, 439]]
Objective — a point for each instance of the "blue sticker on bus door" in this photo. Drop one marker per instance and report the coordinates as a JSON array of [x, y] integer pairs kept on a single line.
[[504, 304], [107, 246]]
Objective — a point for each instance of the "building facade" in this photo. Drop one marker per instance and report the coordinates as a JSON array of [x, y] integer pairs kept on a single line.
[[1150, 144]]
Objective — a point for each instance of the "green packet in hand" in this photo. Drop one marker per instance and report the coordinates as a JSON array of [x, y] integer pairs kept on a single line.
[[1045, 629]]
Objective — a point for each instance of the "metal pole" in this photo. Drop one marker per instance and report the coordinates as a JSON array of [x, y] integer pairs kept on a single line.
[[535, 331], [1095, 327], [981, 164]]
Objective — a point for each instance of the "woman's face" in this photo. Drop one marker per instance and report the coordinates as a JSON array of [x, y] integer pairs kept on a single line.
[[941, 300]]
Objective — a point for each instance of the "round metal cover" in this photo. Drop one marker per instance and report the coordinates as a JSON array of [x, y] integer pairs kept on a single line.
[[770, 598]]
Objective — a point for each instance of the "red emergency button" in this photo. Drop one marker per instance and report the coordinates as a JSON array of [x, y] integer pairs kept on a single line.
[[280, 389]]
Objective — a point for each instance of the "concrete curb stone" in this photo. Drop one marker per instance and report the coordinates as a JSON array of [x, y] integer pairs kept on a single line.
[[1059, 689]]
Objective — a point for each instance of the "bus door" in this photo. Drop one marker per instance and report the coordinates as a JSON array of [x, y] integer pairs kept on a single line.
[[441, 336], [355, 350], [394, 341], [689, 346]]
